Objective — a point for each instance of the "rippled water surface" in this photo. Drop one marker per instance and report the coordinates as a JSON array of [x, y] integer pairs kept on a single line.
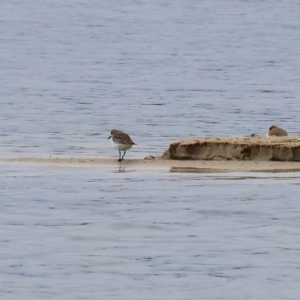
[[85, 233], [161, 70], [73, 70]]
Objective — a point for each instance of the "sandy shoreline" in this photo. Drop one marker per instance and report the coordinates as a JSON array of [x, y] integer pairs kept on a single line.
[[184, 166], [202, 155]]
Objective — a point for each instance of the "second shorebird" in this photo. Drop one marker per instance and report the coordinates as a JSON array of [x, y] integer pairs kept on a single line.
[[121, 141], [276, 131]]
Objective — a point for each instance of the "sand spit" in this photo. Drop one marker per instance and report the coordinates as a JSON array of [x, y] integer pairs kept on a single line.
[[244, 149], [203, 155], [158, 163]]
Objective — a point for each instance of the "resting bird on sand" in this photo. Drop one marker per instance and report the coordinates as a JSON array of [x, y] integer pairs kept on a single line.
[[276, 131]]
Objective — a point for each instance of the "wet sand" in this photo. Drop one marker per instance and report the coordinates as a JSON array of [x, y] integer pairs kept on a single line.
[[199, 166]]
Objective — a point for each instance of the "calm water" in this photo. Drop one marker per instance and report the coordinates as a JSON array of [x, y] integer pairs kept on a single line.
[[73, 70], [161, 70], [71, 233]]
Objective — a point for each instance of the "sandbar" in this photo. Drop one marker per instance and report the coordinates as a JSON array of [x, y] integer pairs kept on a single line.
[[184, 166]]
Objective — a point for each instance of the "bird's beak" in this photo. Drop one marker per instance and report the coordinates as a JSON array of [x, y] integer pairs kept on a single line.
[[109, 137]]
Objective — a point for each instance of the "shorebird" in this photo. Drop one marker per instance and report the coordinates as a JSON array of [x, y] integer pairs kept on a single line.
[[121, 141], [276, 131]]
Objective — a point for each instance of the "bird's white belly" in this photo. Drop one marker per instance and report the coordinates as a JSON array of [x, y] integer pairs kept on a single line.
[[120, 147]]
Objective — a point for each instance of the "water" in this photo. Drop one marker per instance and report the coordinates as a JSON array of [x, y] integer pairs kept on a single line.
[[85, 233], [73, 70]]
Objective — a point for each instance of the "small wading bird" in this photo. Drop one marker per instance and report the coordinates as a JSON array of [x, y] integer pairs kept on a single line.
[[276, 131], [121, 141]]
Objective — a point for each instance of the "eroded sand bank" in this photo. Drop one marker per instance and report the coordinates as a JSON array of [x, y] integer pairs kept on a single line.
[[245, 149]]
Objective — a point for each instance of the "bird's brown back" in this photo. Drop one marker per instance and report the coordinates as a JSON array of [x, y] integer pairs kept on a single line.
[[277, 131], [121, 137]]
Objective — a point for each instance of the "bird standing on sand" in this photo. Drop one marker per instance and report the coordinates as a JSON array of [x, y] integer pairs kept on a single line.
[[276, 131], [121, 141]]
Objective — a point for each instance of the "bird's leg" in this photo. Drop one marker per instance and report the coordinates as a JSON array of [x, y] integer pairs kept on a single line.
[[119, 156], [123, 154]]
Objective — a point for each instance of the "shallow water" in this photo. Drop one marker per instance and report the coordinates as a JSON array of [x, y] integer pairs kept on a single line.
[[73, 70], [85, 233]]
